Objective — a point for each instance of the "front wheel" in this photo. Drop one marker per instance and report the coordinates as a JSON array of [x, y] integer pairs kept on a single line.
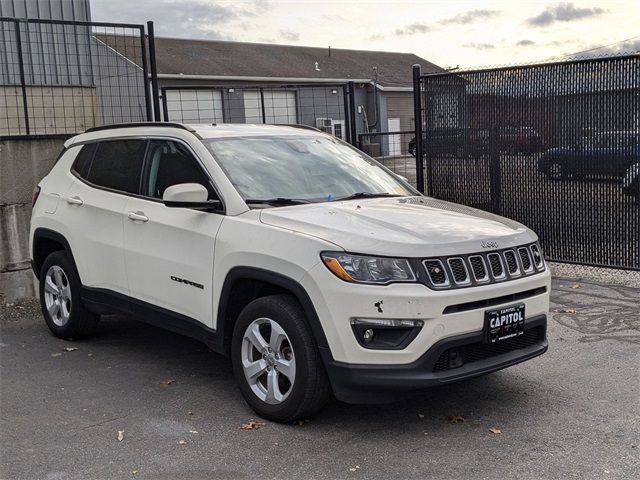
[[276, 361], [63, 310]]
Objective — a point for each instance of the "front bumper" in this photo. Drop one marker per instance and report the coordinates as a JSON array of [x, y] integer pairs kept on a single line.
[[358, 383]]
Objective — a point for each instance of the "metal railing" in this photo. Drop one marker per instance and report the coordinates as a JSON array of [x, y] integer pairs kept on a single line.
[[62, 77], [395, 150], [555, 146]]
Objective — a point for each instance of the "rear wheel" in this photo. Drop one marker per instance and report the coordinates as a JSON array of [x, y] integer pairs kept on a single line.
[[60, 300], [276, 361]]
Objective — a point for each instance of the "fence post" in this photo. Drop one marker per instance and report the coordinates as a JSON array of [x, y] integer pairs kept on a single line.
[[23, 83], [417, 115], [347, 114], [154, 72], [494, 171], [145, 75], [352, 114]]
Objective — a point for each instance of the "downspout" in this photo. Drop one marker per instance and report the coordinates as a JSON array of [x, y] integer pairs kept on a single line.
[[375, 98]]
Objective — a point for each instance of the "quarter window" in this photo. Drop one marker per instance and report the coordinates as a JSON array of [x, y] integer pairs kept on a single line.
[[170, 163], [117, 165], [83, 160]]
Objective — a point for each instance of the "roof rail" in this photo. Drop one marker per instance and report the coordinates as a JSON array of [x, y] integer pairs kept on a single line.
[[298, 125], [140, 124]]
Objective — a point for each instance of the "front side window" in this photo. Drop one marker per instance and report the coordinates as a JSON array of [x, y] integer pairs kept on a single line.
[[310, 168], [117, 165], [170, 163]]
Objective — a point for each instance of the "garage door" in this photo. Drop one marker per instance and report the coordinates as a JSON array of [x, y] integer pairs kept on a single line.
[[194, 106], [279, 106]]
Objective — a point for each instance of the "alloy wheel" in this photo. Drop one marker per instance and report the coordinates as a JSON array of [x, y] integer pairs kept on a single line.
[[269, 365], [57, 295]]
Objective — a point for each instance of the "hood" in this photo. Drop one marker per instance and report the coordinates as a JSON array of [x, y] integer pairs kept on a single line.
[[407, 226]]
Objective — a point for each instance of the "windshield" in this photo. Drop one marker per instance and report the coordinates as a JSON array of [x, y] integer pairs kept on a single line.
[[305, 168]]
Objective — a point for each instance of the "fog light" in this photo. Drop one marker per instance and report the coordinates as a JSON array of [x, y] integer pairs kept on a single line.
[[385, 333], [368, 335]]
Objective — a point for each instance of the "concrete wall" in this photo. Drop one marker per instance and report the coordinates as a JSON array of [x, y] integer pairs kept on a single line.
[[22, 164]]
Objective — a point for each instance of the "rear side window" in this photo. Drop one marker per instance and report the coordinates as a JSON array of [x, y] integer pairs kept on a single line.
[[117, 165], [83, 160]]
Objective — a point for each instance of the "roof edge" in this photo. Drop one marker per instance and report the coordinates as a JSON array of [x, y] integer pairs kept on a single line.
[[262, 79]]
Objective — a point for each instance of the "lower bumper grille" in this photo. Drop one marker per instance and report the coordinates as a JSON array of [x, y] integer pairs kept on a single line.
[[458, 356]]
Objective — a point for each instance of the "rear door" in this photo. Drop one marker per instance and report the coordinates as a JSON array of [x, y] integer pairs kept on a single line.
[[169, 251], [106, 173]]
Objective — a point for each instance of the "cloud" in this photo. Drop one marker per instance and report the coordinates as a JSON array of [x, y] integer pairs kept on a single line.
[[179, 18], [480, 46], [377, 36], [289, 35], [563, 12], [470, 17], [525, 43], [413, 29]]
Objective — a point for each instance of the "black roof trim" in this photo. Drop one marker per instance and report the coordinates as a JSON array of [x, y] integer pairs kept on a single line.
[[140, 124]]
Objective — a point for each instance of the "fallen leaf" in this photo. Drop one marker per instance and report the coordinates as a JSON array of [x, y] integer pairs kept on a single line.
[[252, 425], [302, 422], [134, 472], [182, 442], [420, 415], [495, 430], [193, 431], [167, 382], [576, 285], [456, 419], [56, 354], [120, 435], [569, 310], [189, 413], [354, 468], [70, 349]]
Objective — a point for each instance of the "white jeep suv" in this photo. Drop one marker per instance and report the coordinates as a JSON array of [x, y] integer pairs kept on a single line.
[[314, 267]]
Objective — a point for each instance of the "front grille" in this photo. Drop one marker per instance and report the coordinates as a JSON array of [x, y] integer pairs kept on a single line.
[[537, 256], [526, 259], [474, 352], [479, 269], [458, 270], [482, 268], [436, 273], [512, 262], [495, 262]]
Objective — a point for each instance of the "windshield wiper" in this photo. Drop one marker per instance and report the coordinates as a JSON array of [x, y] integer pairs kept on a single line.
[[367, 195], [277, 201]]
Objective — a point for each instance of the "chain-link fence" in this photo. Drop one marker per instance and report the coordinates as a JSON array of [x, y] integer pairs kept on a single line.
[[555, 146]]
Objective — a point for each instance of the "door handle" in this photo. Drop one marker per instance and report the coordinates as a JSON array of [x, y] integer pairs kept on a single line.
[[75, 200], [138, 216]]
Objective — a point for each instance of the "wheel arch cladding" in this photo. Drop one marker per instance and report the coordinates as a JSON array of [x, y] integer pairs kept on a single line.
[[45, 242], [245, 284]]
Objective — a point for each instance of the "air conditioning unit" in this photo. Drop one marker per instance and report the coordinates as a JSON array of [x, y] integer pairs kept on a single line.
[[325, 124], [331, 126]]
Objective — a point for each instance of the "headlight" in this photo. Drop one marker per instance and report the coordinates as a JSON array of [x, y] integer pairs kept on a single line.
[[364, 269]]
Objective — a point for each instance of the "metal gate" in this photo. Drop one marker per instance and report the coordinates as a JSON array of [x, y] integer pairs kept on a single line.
[[554, 146], [62, 77]]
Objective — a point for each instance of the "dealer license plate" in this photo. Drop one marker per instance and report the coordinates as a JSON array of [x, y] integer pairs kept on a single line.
[[504, 323]]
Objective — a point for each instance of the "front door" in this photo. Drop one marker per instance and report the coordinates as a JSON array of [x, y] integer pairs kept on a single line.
[[169, 251]]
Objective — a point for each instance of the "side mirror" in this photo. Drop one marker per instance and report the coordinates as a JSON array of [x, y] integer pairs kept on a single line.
[[189, 195]]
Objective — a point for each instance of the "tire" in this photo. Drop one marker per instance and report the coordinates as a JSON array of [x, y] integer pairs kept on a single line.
[[310, 388], [62, 307]]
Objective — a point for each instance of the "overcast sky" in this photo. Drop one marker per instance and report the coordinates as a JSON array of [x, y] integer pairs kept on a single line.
[[448, 33]]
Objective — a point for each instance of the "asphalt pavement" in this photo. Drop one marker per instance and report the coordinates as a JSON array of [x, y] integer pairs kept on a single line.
[[135, 401]]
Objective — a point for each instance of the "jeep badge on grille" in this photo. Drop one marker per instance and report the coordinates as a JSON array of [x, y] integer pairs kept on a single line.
[[489, 244]]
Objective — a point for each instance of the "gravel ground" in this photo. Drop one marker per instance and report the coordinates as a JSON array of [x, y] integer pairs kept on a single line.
[[572, 413]]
